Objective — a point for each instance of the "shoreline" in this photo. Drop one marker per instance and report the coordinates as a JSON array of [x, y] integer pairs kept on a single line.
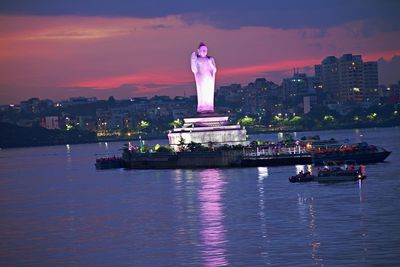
[[164, 137]]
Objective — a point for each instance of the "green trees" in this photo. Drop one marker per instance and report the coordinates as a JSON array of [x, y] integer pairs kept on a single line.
[[176, 123], [143, 126], [159, 148], [247, 121], [372, 116]]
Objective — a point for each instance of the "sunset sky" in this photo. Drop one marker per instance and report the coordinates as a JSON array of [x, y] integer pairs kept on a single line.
[[125, 48]]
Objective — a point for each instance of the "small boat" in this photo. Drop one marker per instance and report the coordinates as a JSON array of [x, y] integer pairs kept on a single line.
[[335, 173], [302, 177], [363, 153]]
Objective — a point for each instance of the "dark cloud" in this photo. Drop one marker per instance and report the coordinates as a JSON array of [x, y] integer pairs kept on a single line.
[[303, 34], [158, 27], [228, 14], [373, 26]]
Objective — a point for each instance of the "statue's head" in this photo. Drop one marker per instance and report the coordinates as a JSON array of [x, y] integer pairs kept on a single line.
[[202, 50]]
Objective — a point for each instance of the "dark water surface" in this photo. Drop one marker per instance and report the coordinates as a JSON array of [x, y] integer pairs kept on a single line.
[[57, 209]]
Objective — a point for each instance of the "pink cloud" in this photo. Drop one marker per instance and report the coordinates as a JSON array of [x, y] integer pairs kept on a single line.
[[137, 79]]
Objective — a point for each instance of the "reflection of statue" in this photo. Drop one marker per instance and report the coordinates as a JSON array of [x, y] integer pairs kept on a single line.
[[212, 230], [204, 70]]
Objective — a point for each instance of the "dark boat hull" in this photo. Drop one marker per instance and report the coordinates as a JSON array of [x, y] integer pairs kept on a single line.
[[339, 178], [359, 157], [109, 163], [276, 160], [212, 160], [184, 160], [302, 178]]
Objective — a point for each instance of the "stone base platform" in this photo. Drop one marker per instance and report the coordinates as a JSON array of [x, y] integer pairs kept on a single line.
[[205, 121], [209, 130]]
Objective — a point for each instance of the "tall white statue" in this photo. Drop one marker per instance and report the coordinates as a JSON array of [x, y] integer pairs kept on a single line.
[[204, 70]]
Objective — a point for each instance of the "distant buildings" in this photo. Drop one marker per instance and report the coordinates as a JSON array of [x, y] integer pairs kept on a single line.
[[35, 105], [50, 122], [342, 84], [348, 79], [371, 80], [328, 73], [257, 98], [295, 86], [351, 78], [80, 100]]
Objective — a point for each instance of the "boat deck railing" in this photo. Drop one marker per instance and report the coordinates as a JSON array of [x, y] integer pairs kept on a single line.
[[273, 151]]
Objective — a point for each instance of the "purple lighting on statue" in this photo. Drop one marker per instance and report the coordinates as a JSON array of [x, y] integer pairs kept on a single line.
[[204, 70], [211, 214]]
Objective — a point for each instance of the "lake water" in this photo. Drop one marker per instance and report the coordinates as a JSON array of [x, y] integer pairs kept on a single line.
[[57, 209]]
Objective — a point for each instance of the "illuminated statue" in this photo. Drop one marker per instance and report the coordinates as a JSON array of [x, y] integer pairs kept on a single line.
[[204, 70]]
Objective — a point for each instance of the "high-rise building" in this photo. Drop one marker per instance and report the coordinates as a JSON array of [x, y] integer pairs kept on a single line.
[[299, 93], [351, 78], [348, 79], [330, 77], [296, 86], [371, 80], [258, 96], [318, 72]]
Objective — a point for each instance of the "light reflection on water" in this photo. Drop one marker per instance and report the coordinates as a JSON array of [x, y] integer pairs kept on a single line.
[[263, 174], [212, 215], [308, 215]]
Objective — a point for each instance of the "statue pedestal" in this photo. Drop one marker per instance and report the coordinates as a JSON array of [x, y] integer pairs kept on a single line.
[[208, 130]]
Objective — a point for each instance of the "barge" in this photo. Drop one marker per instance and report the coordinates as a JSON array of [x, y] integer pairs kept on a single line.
[[211, 159], [239, 156]]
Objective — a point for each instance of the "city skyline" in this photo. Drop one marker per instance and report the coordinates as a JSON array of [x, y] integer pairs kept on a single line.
[[63, 49]]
